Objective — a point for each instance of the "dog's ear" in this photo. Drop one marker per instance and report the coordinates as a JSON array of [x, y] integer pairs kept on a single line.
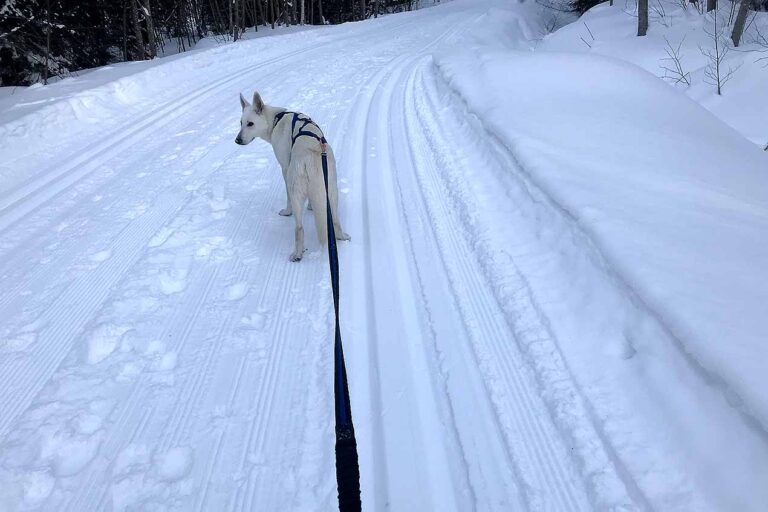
[[258, 104], [243, 102]]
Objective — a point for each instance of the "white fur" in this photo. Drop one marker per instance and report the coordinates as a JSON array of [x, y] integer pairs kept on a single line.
[[302, 168]]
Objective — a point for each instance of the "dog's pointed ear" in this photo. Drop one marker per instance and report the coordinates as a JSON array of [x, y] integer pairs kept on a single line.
[[258, 104], [243, 102]]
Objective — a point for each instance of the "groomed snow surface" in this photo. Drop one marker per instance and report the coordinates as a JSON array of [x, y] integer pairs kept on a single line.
[[554, 297]]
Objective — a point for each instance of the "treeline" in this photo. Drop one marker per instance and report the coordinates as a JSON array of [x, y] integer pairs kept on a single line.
[[737, 20], [40, 39]]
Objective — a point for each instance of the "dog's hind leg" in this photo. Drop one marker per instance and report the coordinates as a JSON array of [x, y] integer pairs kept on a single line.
[[317, 200], [298, 200]]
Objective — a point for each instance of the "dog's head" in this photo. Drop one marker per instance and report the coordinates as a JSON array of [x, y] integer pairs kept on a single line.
[[253, 122]]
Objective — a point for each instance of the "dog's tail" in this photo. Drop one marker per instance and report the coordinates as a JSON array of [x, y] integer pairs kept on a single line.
[[317, 197]]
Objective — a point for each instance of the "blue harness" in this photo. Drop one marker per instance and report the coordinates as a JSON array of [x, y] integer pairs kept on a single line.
[[297, 117]]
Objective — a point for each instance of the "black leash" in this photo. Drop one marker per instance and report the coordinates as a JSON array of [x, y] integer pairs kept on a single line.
[[347, 468]]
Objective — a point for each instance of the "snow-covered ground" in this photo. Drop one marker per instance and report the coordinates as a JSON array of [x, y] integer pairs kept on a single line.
[[611, 31], [553, 298]]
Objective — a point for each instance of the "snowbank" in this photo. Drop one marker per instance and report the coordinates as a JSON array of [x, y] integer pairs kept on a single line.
[[676, 201], [612, 30]]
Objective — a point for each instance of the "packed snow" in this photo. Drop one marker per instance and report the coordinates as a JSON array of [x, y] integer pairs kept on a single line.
[[554, 297]]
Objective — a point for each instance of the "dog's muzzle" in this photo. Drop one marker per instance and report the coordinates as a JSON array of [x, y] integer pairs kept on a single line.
[[238, 140]]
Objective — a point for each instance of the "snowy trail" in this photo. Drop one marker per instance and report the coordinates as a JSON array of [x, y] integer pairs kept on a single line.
[[158, 351], [162, 351]]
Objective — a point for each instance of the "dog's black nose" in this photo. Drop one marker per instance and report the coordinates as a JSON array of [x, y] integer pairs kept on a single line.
[[239, 141]]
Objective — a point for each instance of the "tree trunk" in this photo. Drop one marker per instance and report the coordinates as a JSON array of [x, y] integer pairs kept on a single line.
[[261, 12], [150, 31], [320, 11], [642, 17], [362, 9], [125, 32], [47, 40], [272, 12], [741, 21], [234, 19], [711, 5], [137, 31], [375, 8]]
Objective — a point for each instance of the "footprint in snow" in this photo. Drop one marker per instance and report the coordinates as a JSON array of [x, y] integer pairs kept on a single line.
[[256, 321], [174, 464], [17, 343], [137, 211], [100, 256], [103, 340], [237, 291], [69, 455], [173, 281], [161, 237], [219, 207], [36, 487]]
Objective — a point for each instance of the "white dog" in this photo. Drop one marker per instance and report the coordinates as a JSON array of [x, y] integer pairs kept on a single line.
[[298, 144]]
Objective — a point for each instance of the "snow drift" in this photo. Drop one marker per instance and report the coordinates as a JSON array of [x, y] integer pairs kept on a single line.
[[658, 214]]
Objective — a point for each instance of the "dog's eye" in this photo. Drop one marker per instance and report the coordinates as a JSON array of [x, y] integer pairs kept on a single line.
[[250, 123]]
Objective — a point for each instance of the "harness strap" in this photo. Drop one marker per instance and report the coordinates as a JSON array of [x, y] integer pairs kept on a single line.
[[302, 132]]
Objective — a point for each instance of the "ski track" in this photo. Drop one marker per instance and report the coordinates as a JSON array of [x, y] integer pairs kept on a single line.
[[169, 356]]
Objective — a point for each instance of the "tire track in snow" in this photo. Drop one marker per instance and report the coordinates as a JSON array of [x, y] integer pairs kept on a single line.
[[394, 435], [609, 483], [541, 459]]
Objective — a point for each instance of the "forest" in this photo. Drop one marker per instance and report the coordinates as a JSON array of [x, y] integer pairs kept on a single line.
[[41, 39]]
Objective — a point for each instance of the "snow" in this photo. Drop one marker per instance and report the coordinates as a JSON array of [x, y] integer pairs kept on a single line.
[[553, 298], [670, 204], [611, 30]]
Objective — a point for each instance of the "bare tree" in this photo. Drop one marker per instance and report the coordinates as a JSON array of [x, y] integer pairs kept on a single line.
[[642, 17], [673, 68], [715, 72], [741, 21]]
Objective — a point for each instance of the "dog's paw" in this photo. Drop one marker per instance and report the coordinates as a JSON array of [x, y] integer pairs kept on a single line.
[[295, 256], [285, 212], [343, 236]]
